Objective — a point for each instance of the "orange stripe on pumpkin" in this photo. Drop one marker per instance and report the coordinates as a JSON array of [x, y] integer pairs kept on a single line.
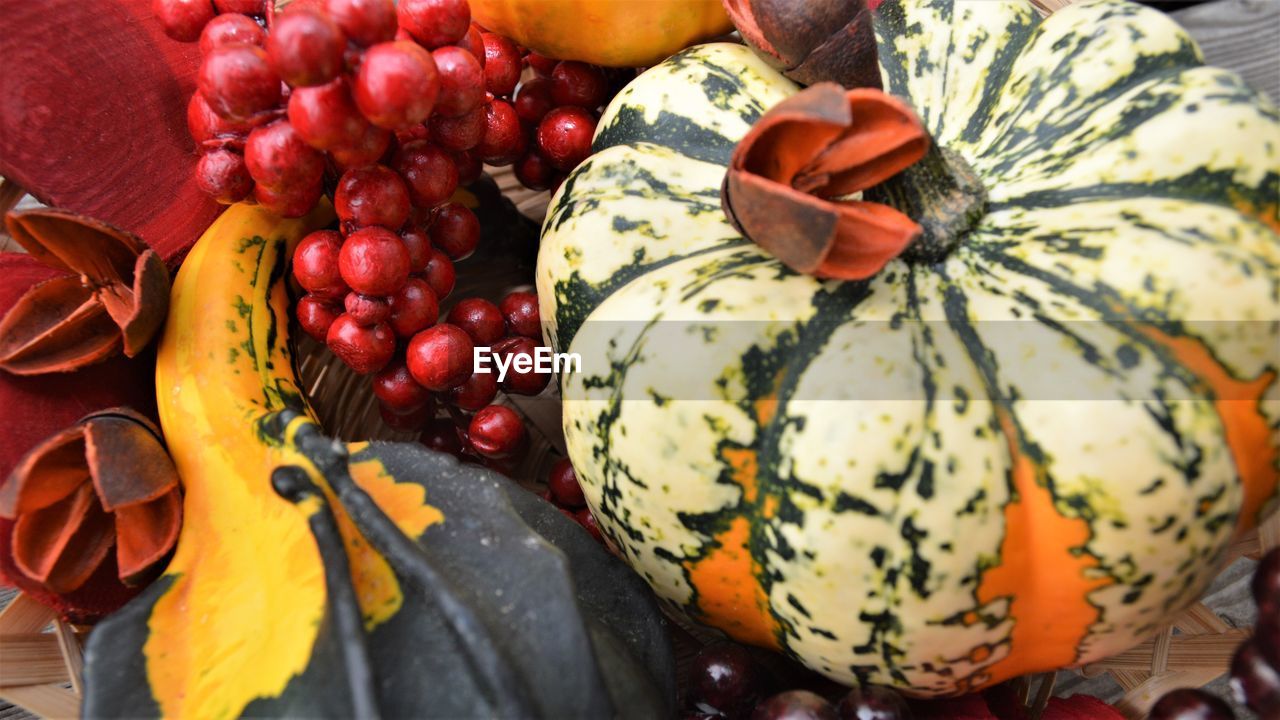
[[729, 593]]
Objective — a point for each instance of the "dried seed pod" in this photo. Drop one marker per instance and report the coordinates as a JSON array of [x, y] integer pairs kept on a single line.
[[812, 41]]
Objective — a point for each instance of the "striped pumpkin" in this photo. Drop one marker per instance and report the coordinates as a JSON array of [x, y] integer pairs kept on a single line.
[[1024, 456]]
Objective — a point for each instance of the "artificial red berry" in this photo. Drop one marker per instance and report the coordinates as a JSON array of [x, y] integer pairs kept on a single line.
[[325, 116], [496, 432], [440, 274], [520, 312], [315, 265], [541, 64], [183, 20], [871, 702], [458, 133], [369, 149], [473, 42], [396, 389], [409, 422], [315, 315], [1190, 704], [503, 141], [396, 84], [478, 391], [243, 7], [441, 435], [587, 520], [533, 100], [278, 158], [373, 261], [522, 377], [435, 22], [365, 350], [564, 136], [1266, 584], [534, 172], [372, 195], [364, 22], [306, 48], [501, 64], [440, 357], [724, 678], [414, 308], [238, 82], [469, 167], [455, 230], [1254, 681], [461, 81], [209, 130], [564, 486], [418, 244], [429, 172], [231, 29], [222, 175], [579, 84], [289, 202], [412, 133], [480, 319], [794, 705], [367, 310]]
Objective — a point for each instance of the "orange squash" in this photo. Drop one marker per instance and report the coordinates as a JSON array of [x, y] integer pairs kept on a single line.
[[614, 33]]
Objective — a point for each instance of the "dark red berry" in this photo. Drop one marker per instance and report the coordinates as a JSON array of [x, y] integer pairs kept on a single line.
[[396, 389], [222, 175], [368, 150], [238, 82], [243, 7], [365, 350], [520, 312], [480, 319], [723, 678], [315, 265], [501, 64], [372, 195], [564, 486], [367, 310], [1254, 681], [872, 702], [364, 22], [473, 42], [1189, 704], [1266, 634], [373, 261], [564, 136], [278, 158], [1266, 584], [409, 422], [306, 48], [289, 202], [315, 315], [209, 130], [534, 172], [504, 140], [455, 230], [478, 391], [325, 116], [587, 520], [231, 29], [496, 432], [429, 172], [442, 436], [541, 64], [522, 377], [183, 20], [459, 133], [794, 705], [533, 100], [440, 357], [440, 274], [397, 84], [579, 84], [435, 22], [469, 167], [461, 81], [418, 244], [414, 308]]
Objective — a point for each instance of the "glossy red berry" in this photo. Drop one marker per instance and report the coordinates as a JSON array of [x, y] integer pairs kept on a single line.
[[396, 389], [183, 20], [480, 319], [1266, 635], [306, 48], [579, 84], [315, 315], [564, 486], [428, 171], [435, 22], [872, 702], [1266, 584], [496, 432], [520, 313], [325, 116], [440, 357], [1254, 681], [244, 7], [442, 436], [459, 133], [414, 308], [278, 158], [501, 64], [461, 81], [396, 84], [541, 64], [723, 678], [469, 167], [367, 310], [373, 261], [455, 230], [418, 244], [238, 82], [369, 149], [478, 391], [534, 172], [794, 705], [587, 520], [365, 350], [231, 29], [222, 175], [315, 265], [209, 130], [504, 140], [372, 195], [364, 22], [533, 100], [1190, 704], [440, 274], [473, 42], [289, 202], [564, 136], [522, 377]]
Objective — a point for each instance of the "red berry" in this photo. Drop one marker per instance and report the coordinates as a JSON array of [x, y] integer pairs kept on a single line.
[[373, 261], [238, 82], [428, 171], [1254, 681], [440, 357], [504, 139], [480, 319], [1266, 584], [306, 48], [364, 22], [396, 389], [541, 64], [473, 42], [459, 133], [587, 520], [278, 158], [478, 391], [520, 311], [222, 175], [418, 244], [231, 29], [315, 265], [564, 486], [496, 432], [209, 130], [367, 310], [365, 350], [564, 136], [455, 230], [795, 705], [243, 7], [369, 149], [534, 172], [440, 274], [441, 436], [1190, 704], [724, 678], [461, 81], [435, 22], [579, 84], [469, 167], [397, 84], [183, 20], [522, 377], [503, 466], [315, 315], [409, 422], [414, 308], [501, 64], [289, 202], [325, 116], [533, 100], [871, 701], [372, 195]]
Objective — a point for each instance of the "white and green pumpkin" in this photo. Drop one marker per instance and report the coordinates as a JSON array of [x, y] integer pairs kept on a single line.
[[1024, 455]]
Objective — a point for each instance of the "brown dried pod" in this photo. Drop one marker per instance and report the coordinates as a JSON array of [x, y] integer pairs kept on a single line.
[[812, 41]]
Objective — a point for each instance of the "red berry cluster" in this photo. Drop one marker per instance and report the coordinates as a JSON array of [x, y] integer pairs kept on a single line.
[[565, 492]]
